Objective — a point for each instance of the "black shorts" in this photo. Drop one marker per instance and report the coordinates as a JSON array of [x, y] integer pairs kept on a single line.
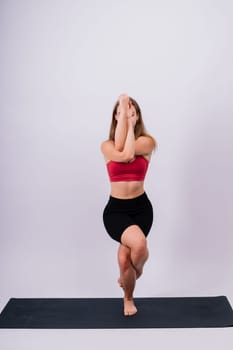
[[122, 213]]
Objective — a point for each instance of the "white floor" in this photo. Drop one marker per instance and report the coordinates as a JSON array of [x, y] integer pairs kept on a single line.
[[136, 339]]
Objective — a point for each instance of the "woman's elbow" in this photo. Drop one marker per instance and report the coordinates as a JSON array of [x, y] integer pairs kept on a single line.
[[119, 147], [127, 156]]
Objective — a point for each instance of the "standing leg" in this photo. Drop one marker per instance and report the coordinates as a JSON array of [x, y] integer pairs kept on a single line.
[[127, 279]]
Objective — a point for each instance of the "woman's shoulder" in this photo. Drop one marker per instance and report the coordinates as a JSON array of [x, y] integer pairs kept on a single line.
[[147, 140], [106, 143], [107, 146]]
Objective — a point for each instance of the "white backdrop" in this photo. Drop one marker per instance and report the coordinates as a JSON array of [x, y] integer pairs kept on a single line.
[[63, 65]]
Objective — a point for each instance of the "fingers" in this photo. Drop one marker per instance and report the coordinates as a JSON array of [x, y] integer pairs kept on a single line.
[[124, 100], [123, 97]]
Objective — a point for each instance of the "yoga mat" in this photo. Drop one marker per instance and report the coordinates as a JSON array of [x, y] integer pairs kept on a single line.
[[161, 312]]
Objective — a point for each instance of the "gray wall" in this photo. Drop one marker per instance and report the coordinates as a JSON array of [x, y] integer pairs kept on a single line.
[[63, 64]]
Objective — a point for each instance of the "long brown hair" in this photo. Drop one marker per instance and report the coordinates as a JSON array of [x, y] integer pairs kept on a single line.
[[139, 129]]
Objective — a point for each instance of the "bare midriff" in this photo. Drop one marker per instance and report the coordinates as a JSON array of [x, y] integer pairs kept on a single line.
[[127, 189]]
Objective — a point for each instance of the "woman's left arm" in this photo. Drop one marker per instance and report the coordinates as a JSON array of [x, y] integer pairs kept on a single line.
[[144, 145]]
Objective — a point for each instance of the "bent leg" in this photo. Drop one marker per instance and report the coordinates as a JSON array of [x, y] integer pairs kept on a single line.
[[134, 239]]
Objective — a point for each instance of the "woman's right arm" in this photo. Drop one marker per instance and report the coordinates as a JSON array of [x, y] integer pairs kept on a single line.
[[128, 152], [122, 123]]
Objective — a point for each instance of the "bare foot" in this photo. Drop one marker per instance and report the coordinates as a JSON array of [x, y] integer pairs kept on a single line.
[[120, 282], [138, 273], [129, 307]]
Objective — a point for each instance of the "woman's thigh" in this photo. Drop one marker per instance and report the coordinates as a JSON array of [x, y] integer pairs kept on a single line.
[[144, 218], [116, 223]]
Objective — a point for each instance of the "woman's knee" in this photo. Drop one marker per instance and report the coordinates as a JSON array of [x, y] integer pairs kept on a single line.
[[134, 238], [140, 249]]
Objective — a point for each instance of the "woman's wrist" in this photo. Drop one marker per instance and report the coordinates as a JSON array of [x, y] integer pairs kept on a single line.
[[130, 123], [122, 112]]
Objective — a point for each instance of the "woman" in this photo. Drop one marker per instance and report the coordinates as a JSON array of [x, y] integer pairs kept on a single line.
[[128, 214]]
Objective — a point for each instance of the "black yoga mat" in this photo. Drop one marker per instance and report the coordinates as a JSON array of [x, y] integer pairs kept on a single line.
[[165, 312]]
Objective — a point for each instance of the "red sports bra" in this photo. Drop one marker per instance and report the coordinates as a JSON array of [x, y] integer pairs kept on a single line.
[[132, 171]]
